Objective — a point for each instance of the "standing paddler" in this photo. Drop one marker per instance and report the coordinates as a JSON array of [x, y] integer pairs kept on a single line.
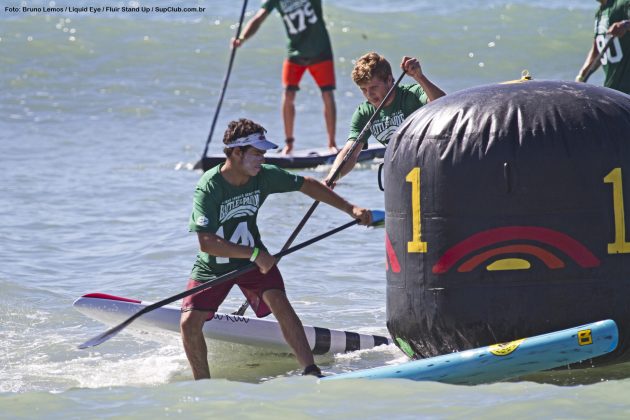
[[225, 207], [309, 49]]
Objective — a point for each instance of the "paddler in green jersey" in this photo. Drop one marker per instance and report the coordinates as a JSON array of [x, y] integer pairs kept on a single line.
[[373, 74], [308, 49], [612, 19], [224, 216]]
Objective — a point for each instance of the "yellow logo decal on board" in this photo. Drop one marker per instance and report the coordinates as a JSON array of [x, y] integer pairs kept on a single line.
[[503, 349], [584, 337]]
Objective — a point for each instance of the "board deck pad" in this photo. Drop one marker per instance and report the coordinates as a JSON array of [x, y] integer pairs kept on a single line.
[[112, 310]]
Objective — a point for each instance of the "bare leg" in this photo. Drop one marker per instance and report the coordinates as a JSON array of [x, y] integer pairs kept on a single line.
[[288, 115], [191, 325], [330, 116], [290, 324]]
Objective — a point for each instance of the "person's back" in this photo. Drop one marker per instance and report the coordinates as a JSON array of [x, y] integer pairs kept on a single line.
[[309, 49], [304, 23]]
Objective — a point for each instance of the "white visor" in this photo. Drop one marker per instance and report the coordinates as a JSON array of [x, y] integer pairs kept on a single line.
[[256, 140]]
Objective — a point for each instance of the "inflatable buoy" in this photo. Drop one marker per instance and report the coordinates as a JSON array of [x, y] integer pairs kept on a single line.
[[505, 216]]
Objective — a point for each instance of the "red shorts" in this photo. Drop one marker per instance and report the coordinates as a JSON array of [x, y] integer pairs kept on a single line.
[[323, 72], [253, 284]]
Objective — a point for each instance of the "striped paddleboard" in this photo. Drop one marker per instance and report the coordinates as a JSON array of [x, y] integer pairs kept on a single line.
[[503, 361], [112, 310]]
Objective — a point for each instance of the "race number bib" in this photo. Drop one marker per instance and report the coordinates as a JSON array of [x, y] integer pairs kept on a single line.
[[613, 54], [241, 236], [296, 20]]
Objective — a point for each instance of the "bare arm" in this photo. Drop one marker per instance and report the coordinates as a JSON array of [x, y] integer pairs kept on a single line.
[[590, 58], [251, 27], [349, 164], [215, 245], [412, 67], [617, 29], [318, 191]]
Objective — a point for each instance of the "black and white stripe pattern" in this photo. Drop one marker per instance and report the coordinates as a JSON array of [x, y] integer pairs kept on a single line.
[[344, 341]]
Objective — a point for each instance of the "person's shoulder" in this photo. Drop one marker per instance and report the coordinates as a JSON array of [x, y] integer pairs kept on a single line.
[[267, 170], [269, 5], [273, 174], [364, 108], [413, 89], [266, 167], [410, 87], [209, 178]]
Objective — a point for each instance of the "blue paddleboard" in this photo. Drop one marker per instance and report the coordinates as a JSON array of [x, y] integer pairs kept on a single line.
[[503, 361]]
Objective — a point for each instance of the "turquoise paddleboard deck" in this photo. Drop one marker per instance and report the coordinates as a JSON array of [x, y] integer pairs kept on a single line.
[[503, 361]]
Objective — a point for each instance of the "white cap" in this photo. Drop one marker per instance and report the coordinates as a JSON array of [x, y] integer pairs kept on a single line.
[[257, 140]]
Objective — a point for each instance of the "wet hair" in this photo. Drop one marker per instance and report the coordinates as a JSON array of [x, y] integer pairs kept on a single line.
[[238, 129], [369, 66]]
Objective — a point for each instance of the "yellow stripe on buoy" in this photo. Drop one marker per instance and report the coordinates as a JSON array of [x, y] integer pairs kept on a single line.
[[509, 264]]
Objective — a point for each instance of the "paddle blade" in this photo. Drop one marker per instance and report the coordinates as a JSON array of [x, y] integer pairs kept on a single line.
[[378, 218], [101, 338]]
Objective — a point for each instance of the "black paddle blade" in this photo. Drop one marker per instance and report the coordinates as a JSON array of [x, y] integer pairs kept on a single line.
[[198, 165], [101, 338], [206, 163]]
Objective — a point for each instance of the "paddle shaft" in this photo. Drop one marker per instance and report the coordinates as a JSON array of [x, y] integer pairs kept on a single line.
[[225, 83], [595, 63], [222, 279], [331, 182]]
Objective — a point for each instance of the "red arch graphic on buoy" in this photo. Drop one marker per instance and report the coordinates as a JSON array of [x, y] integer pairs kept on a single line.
[[561, 241], [551, 261], [391, 260]]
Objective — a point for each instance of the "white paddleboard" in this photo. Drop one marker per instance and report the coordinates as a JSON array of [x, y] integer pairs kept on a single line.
[[112, 310]]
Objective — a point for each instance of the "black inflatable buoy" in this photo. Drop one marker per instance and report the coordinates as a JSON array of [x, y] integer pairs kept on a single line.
[[505, 216]]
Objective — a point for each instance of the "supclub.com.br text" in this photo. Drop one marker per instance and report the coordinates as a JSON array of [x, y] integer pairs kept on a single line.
[[104, 9]]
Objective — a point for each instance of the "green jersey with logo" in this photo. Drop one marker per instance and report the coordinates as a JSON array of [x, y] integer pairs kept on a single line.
[[304, 23], [230, 212], [616, 61], [408, 99]]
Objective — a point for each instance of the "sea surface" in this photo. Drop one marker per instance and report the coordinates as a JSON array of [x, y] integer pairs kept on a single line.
[[102, 116]]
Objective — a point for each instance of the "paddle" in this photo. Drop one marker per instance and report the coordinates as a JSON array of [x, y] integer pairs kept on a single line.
[[332, 179], [200, 164], [595, 63], [377, 217]]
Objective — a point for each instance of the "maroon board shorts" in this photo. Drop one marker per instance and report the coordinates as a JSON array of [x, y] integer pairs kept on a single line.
[[253, 284]]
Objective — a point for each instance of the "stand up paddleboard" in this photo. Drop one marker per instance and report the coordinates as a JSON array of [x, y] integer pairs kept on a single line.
[[503, 361], [300, 159], [264, 333]]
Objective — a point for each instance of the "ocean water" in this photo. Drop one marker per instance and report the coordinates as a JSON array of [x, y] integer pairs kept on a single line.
[[102, 116]]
